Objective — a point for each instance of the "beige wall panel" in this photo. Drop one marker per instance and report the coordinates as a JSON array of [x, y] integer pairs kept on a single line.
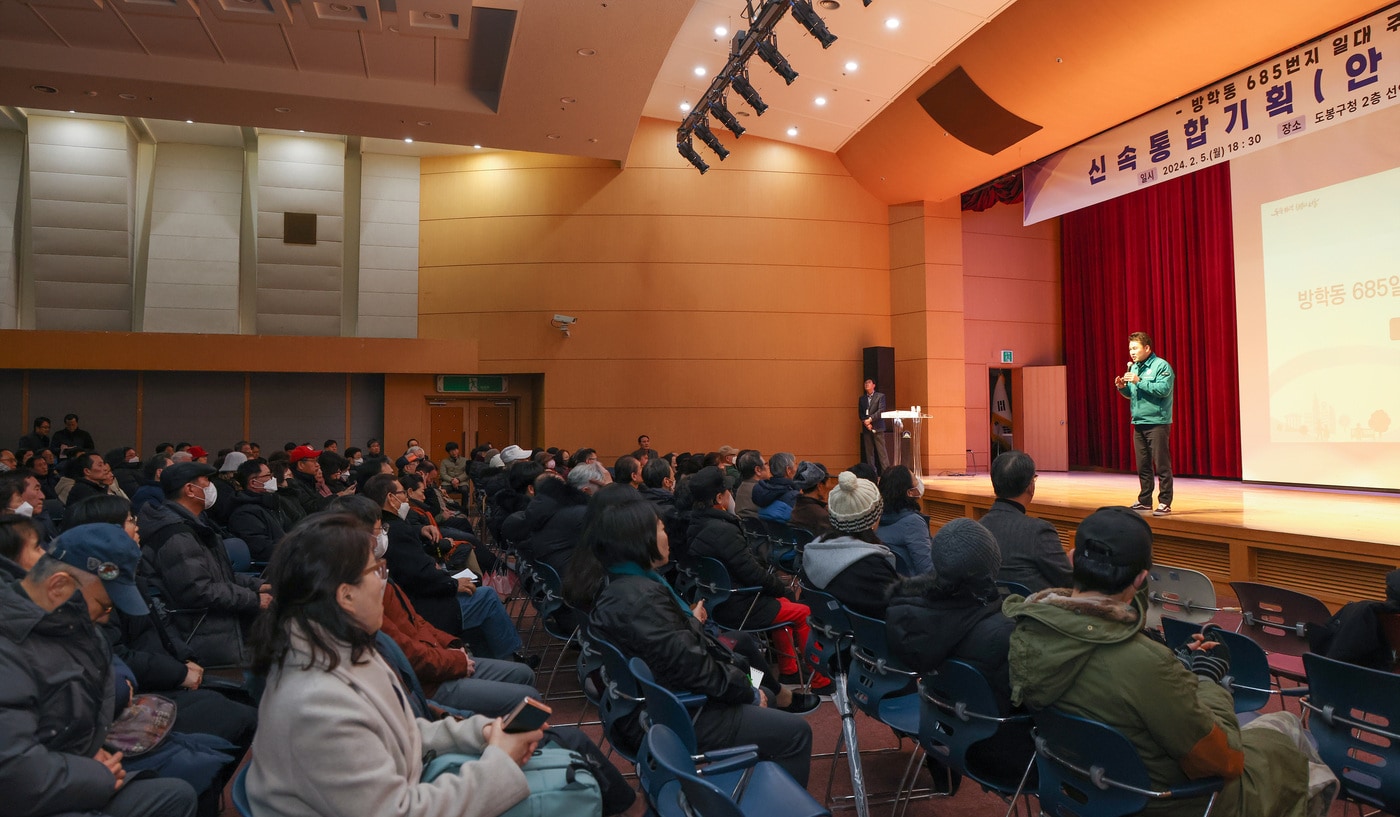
[[944, 291], [389, 218], [1011, 301], [680, 285], [11, 159], [297, 282], [63, 186], [1012, 259], [92, 319], [1034, 344]]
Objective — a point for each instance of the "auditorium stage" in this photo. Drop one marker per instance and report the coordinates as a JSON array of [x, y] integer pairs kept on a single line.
[[1334, 544]]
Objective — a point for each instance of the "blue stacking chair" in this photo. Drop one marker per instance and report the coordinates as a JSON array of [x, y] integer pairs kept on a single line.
[[1088, 769], [882, 687], [1009, 588], [958, 709], [767, 790], [1356, 722], [714, 584], [547, 596], [828, 649], [1249, 680], [239, 792], [1183, 594], [621, 694]]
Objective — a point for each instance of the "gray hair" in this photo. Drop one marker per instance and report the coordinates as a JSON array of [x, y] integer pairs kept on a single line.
[[780, 462], [583, 476]]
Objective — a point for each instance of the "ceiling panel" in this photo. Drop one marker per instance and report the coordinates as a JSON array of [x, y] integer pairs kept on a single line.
[[393, 56], [19, 22], [252, 44], [86, 28], [326, 51], [173, 36]]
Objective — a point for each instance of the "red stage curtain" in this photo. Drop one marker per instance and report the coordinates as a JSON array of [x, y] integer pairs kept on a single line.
[[1160, 261]]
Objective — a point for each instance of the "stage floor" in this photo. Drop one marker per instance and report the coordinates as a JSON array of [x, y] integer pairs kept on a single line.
[[1335, 544]]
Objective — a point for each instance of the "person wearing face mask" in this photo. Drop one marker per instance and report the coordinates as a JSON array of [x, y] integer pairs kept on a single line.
[[21, 493], [257, 517], [1031, 553], [903, 528], [126, 468], [184, 554]]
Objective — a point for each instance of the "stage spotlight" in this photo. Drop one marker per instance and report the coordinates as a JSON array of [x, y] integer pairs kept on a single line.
[[768, 52], [741, 84], [687, 150], [807, 16], [729, 120], [702, 130]]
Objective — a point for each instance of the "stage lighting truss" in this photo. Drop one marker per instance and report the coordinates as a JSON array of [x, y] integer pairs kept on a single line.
[[759, 39]]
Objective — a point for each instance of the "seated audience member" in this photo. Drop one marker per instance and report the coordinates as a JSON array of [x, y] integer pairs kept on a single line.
[[634, 609], [70, 436], [725, 458], [1084, 651], [548, 529], [19, 546], [149, 491], [454, 469], [716, 532], [809, 511], [903, 528], [850, 562], [508, 504], [327, 686], [658, 488], [373, 448], [184, 555], [92, 476], [1031, 553], [331, 445], [455, 606], [628, 471], [126, 468], [447, 670], [1354, 634], [866, 471], [56, 685], [257, 517], [198, 454], [776, 496], [43, 469], [38, 439], [307, 483], [954, 612], [752, 470], [20, 494], [355, 455], [335, 477], [226, 483]]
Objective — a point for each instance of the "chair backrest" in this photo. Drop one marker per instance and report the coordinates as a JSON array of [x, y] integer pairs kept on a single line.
[[1186, 595], [1356, 721], [621, 694], [240, 791], [700, 797], [238, 554], [830, 633], [1072, 753], [1277, 618], [958, 708], [662, 705], [590, 665], [712, 581], [1009, 588], [1390, 628], [875, 674], [1249, 665]]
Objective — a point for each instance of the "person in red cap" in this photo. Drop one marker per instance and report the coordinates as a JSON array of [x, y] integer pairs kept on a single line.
[[198, 454], [306, 476]]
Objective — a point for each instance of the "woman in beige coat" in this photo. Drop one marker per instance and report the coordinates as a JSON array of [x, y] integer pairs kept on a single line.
[[336, 736]]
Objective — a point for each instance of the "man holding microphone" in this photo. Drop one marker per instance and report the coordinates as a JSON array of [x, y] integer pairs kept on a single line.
[[1148, 384]]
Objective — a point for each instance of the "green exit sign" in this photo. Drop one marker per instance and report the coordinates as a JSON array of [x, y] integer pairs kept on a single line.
[[471, 384], [1005, 355]]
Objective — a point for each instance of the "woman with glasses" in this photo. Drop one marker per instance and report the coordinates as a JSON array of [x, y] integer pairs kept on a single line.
[[336, 734]]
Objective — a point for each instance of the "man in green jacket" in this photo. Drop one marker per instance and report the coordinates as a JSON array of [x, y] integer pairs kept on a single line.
[[1084, 652], [1148, 384]]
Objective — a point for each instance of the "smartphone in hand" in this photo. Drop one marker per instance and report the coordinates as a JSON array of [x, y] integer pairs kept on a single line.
[[527, 716]]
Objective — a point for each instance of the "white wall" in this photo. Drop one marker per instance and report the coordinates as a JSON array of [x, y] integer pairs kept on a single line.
[[192, 272], [389, 246]]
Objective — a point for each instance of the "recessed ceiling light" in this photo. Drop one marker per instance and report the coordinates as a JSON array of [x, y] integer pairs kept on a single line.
[[830, 5], [792, 131], [433, 15], [339, 7], [44, 89], [282, 109], [820, 101], [567, 100], [892, 23], [852, 65], [685, 106], [127, 97], [394, 29], [593, 139], [189, 121], [301, 131], [476, 147], [408, 139], [72, 111], [90, 93], [587, 52], [423, 123], [721, 31], [551, 136], [699, 70]]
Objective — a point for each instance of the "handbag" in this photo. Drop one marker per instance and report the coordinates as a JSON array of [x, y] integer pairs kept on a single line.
[[141, 727], [561, 782]]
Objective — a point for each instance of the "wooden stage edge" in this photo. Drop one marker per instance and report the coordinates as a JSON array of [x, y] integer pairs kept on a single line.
[[1334, 544]]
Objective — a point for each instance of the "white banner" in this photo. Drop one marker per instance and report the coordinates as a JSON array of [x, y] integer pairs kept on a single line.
[[1342, 74]]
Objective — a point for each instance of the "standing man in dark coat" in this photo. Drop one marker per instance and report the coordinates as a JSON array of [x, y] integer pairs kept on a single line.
[[872, 432]]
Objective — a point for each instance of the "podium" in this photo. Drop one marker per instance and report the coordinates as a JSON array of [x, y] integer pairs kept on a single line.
[[907, 455]]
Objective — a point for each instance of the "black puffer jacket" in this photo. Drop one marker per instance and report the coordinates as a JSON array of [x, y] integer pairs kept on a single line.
[[640, 617], [432, 590], [548, 529], [258, 520], [927, 625], [184, 556], [56, 692], [719, 535]]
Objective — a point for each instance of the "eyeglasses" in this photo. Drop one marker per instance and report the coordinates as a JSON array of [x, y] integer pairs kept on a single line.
[[379, 568]]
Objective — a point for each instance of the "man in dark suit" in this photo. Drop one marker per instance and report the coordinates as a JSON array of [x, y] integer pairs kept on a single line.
[[872, 432], [1031, 553]]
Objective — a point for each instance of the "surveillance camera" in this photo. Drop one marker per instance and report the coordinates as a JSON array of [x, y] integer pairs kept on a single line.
[[565, 319]]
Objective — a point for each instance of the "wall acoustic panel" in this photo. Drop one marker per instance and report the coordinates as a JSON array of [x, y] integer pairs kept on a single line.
[[203, 408], [389, 246], [366, 408], [80, 178], [11, 161], [301, 408], [192, 274], [105, 403], [299, 286]]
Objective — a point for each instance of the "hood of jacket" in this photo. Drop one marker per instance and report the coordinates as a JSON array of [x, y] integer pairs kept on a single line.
[[824, 559], [20, 617], [768, 491], [1057, 634], [264, 500], [155, 517], [552, 496]]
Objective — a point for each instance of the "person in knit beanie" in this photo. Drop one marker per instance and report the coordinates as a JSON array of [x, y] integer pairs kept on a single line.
[[850, 562], [966, 555]]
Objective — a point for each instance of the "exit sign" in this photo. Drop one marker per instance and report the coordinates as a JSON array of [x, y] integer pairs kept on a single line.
[[1005, 355], [471, 384]]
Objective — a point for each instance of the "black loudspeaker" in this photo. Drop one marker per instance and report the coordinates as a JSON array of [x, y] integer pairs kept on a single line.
[[299, 228], [879, 366]]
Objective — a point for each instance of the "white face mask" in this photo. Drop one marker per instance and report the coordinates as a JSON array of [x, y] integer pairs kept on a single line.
[[270, 486], [25, 509], [133, 459], [919, 486], [359, 461], [730, 506], [3, 467], [381, 544], [211, 495], [403, 510]]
